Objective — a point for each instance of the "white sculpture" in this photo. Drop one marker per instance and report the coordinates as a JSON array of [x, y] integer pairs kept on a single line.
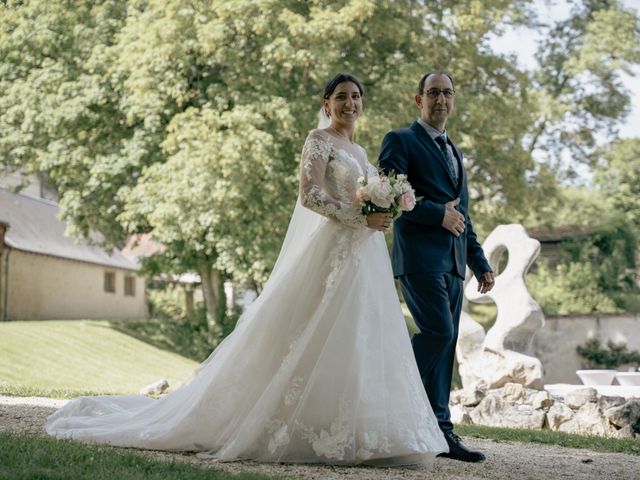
[[504, 354]]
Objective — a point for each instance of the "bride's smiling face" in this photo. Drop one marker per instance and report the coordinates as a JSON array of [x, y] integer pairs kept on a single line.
[[345, 104]]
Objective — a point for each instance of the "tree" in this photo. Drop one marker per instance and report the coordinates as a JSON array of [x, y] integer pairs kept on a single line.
[[59, 107], [186, 119], [581, 99], [618, 178], [568, 288]]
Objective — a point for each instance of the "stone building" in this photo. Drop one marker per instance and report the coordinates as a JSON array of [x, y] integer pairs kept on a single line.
[[45, 274]]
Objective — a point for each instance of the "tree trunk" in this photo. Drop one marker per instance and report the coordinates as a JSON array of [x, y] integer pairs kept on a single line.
[[213, 293], [189, 303], [230, 296]]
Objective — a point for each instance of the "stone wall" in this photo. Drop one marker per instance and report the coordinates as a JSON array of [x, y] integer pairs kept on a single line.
[[581, 411], [42, 287], [3, 228], [555, 343]]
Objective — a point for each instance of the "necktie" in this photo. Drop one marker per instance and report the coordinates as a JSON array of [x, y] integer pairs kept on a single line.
[[447, 156]]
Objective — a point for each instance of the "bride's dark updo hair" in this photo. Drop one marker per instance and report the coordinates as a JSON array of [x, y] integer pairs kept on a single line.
[[338, 79]]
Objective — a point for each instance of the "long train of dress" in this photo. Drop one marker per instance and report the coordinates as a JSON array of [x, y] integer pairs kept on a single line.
[[318, 369]]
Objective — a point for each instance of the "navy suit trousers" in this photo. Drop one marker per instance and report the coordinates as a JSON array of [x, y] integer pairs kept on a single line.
[[435, 301]]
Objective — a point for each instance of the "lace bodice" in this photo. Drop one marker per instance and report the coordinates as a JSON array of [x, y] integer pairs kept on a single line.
[[329, 179]]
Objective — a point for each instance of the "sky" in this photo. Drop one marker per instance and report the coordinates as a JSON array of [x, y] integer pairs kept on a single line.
[[522, 42]]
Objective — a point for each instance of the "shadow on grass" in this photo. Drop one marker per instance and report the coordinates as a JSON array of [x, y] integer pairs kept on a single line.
[[184, 338]]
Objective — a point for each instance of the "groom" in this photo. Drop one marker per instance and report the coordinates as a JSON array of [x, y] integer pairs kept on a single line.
[[433, 243]]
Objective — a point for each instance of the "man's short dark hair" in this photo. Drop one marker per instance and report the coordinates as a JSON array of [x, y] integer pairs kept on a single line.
[[427, 75]]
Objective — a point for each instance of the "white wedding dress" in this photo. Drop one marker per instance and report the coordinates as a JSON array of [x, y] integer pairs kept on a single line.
[[319, 369]]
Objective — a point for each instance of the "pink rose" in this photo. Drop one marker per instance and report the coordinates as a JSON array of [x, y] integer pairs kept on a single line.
[[407, 201]]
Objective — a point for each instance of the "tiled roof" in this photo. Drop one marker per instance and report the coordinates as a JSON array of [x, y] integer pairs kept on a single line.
[[34, 227], [142, 245], [559, 232]]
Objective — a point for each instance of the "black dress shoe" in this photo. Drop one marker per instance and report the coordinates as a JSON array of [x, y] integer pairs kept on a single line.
[[458, 451]]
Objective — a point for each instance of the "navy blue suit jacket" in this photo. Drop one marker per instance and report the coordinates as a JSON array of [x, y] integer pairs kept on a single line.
[[420, 242]]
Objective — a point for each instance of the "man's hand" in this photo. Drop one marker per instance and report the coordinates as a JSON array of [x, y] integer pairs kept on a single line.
[[379, 221], [453, 220], [486, 283]]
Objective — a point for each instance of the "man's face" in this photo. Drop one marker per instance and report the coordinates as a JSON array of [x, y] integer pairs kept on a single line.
[[436, 101]]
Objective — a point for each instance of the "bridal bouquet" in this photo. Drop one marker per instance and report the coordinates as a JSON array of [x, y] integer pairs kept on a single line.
[[386, 193]]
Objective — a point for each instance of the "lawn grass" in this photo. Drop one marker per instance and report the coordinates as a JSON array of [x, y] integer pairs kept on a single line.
[[14, 390], [64, 359], [35, 457], [484, 313], [28, 457], [589, 442]]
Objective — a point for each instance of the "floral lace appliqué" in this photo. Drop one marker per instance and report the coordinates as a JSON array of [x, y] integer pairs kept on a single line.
[[315, 147], [294, 391], [342, 250], [278, 435], [339, 179], [371, 442], [316, 200], [331, 444]]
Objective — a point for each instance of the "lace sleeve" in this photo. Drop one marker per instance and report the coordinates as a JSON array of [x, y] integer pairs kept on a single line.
[[316, 154]]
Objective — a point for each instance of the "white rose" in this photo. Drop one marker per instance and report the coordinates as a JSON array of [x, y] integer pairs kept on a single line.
[[380, 192]]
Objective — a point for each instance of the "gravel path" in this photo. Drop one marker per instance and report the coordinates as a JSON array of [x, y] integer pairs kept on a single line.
[[505, 460]]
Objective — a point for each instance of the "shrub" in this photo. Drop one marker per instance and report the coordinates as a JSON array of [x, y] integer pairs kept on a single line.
[[170, 303], [595, 272], [568, 288], [611, 357], [171, 327]]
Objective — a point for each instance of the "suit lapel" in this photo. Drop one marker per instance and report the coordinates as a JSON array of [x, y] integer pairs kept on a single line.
[[432, 146]]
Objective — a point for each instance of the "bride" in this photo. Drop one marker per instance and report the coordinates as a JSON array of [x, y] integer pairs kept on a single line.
[[319, 369]]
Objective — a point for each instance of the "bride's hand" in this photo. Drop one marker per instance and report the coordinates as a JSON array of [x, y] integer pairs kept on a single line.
[[379, 221]]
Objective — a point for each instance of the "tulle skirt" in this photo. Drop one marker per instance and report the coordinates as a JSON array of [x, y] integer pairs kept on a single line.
[[319, 369]]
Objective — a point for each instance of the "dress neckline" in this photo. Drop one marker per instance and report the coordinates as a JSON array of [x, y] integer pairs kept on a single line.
[[364, 171], [360, 166]]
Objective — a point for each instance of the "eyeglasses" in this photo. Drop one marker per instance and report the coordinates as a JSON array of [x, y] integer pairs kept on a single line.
[[435, 93]]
